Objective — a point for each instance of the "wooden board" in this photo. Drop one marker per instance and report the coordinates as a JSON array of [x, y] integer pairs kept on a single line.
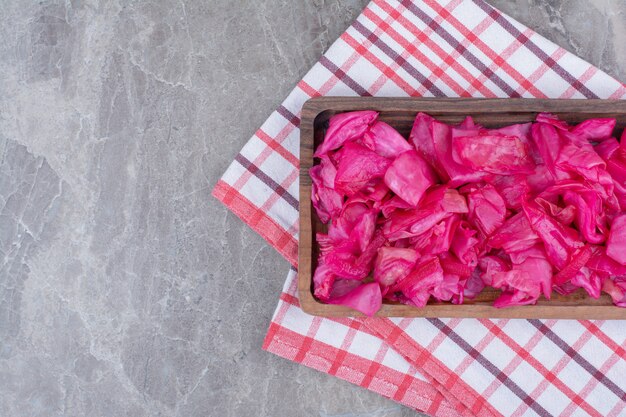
[[400, 113]]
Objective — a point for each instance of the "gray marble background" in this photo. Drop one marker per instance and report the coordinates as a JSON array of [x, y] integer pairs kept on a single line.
[[125, 289]]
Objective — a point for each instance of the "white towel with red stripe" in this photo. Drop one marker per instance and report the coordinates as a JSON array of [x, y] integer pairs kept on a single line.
[[444, 367]]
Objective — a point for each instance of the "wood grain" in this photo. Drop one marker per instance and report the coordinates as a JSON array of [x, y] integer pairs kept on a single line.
[[400, 113]]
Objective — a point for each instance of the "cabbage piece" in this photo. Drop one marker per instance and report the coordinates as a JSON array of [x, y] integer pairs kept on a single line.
[[487, 208], [589, 281], [514, 235], [449, 289], [564, 215], [356, 223], [345, 127], [327, 172], [346, 264], [356, 166], [434, 196], [579, 260], [326, 201], [438, 238], [325, 242], [620, 194], [343, 286], [606, 148], [460, 281], [443, 140], [422, 242], [604, 265], [566, 288], [568, 153], [590, 131], [515, 297], [451, 265], [426, 220], [464, 243], [552, 120], [385, 140], [616, 288], [518, 257], [542, 178], [393, 264], [588, 213], [467, 123], [433, 141], [441, 235], [595, 130], [409, 223], [389, 206], [473, 285], [616, 167], [585, 162], [581, 159], [558, 240], [584, 203], [369, 254], [421, 281], [422, 139], [434, 211], [490, 267], [577, 136], [437, 204], [526, 281], [616, 243], [555, 191], [401, 243], [512, 188], [493, 153], [454, 202], [365, 298], [374, 193], [351, 243], [548, 144], [522, 131], [323, 280], [409, 176]]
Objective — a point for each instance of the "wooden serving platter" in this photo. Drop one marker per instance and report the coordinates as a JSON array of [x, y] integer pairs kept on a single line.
[[400, 113]]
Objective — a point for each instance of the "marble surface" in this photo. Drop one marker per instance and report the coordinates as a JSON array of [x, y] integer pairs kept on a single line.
[[125, 289]]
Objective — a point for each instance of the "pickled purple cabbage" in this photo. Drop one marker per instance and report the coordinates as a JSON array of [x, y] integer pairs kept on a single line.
[[526, 209]]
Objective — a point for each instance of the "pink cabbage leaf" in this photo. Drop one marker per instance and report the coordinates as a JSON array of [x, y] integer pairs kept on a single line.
[[409, 176], [345, 127], [365, 298]]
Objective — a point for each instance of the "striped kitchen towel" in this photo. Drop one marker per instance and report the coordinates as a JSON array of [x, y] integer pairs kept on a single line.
[[444, 367]]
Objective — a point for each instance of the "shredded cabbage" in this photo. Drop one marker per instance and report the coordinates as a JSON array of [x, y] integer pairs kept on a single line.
[[526, 209]]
